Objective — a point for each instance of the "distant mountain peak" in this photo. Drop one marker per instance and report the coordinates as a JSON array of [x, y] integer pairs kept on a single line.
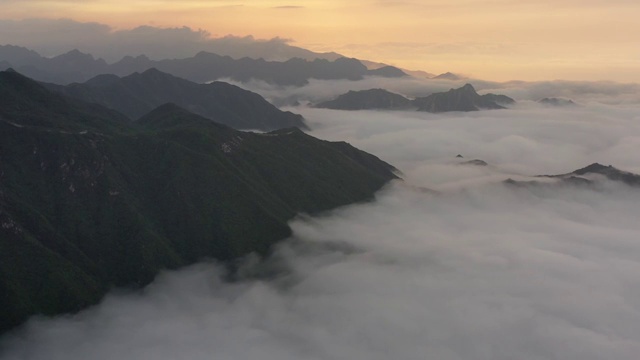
[[448, 76], [468, 87], [75, 54], [368, 99], [155, 73], [207, 54], [464, 98], [554, 101], [584, 176], [388, 71], [595, 168], [153, 70]]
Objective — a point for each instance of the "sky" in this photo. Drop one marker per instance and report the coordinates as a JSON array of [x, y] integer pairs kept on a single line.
[[495, 39], [474, 269]]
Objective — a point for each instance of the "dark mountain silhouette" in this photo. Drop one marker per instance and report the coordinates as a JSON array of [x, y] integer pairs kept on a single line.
[[499, 99], [388, 71], [75, 66], [553, 101], [74, 60], [609, 172], [367, 99], [419, 74], [137, 94], [585, 177], [90, 200], [462, 99]]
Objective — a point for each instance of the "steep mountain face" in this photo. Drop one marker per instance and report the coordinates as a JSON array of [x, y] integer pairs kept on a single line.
[[367, 99], [137, 94], [75, 66], [462, 99], [90, 200]]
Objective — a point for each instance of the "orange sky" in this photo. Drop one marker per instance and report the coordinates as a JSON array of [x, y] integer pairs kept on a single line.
[[489, 39]]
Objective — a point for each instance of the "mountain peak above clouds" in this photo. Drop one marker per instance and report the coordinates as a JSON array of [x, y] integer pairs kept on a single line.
[[449, 76], [464, 98], [367, 99]]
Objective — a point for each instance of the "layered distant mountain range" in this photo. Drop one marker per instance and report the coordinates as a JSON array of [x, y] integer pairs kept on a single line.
[[76, 66]]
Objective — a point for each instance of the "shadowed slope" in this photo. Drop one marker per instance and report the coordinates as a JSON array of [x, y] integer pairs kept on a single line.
[[90, 200]]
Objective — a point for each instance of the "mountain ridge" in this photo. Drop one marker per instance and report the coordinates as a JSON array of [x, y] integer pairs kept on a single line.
[[367, 99], [75, 66], [137, 94], [90, 200], [461, 99]]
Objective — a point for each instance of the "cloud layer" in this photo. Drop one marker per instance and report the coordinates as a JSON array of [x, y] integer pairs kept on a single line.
[[478, 270]]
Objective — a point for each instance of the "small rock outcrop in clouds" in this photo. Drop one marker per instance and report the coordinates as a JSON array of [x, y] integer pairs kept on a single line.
[[368, 99], [90, 200], [554, 101], [609, 172], [139, 93], [462, 99], [585, 177]]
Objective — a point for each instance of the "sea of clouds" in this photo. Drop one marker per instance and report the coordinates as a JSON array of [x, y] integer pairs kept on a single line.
[[448, 264]]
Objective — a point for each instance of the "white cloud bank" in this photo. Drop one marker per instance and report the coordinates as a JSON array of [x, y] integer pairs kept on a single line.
[[478, 271]]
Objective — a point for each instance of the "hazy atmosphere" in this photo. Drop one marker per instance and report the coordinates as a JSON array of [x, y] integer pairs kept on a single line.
[[491, 234], [496, 40]]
